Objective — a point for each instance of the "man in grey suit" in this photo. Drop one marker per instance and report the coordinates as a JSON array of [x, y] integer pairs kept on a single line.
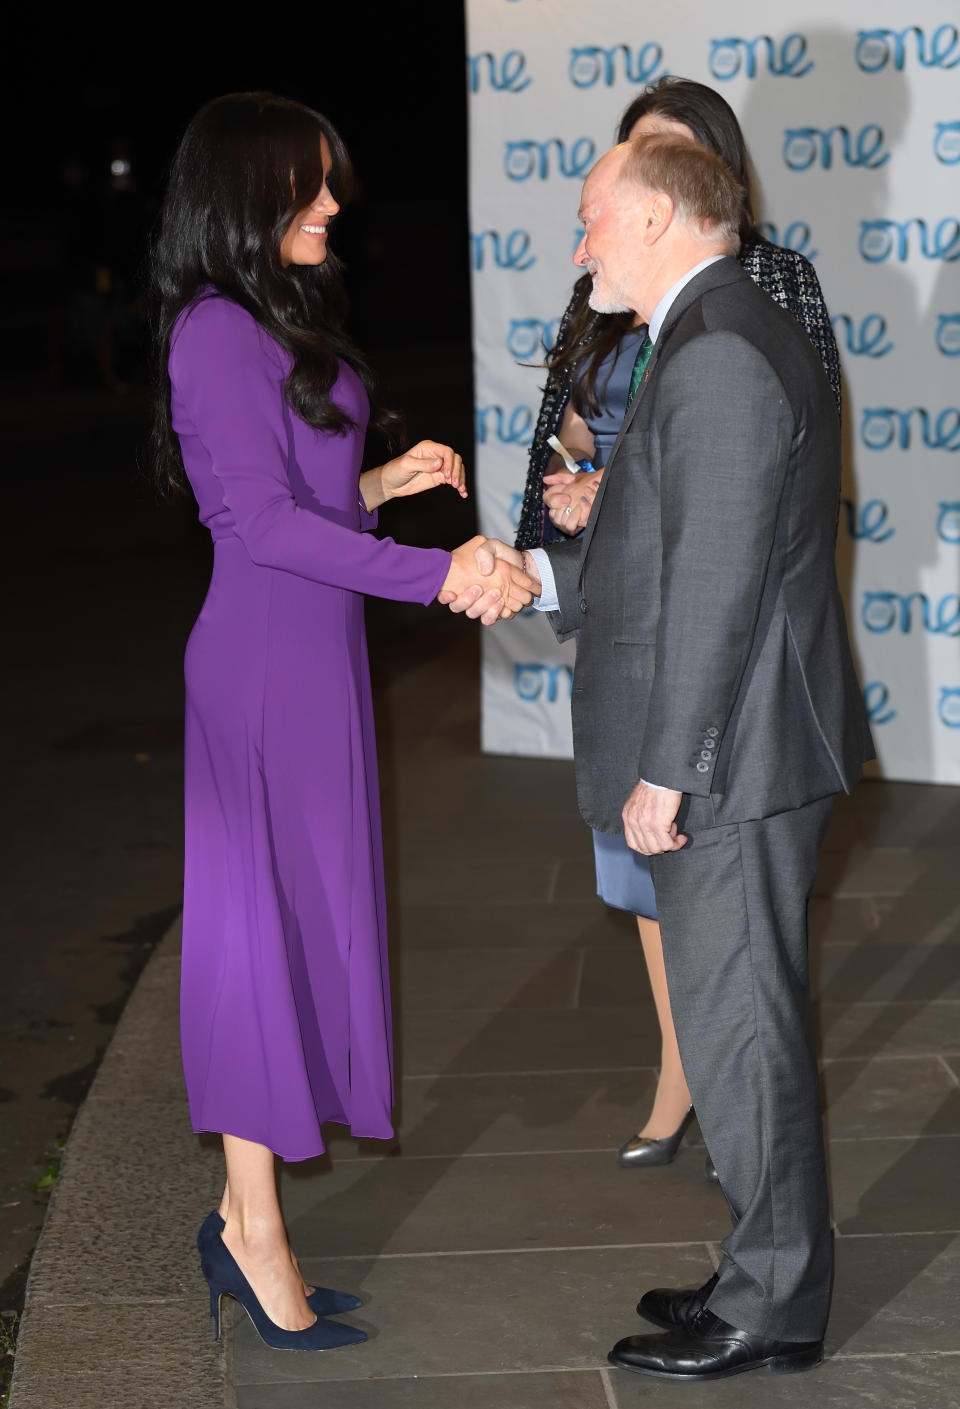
[[716, 714]]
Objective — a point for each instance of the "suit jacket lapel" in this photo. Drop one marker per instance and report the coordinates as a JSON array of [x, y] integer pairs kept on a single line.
[[624, 428]]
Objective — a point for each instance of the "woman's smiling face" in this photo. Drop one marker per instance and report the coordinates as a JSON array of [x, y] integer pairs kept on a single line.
[[305, 240]]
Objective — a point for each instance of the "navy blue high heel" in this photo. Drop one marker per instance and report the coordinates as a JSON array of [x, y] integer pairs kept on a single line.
[[323, 1300], [225, 1278]]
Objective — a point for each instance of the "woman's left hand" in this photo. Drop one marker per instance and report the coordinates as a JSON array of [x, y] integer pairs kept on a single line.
[[424, 466]]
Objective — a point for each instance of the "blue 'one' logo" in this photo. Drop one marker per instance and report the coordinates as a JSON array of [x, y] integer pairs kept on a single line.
[[870, 523], [510, 251], [796, 237], [804, 147], [868, 338], [881, 239], [512, 427], [876, 698], [592, 64], [946, 143], [733, 55], [878, 48], [948, 334], [881, 427], [521, 160], [882, 611], [948, 520], [534, 682], [505, 75], [948, 706], [529, 337]]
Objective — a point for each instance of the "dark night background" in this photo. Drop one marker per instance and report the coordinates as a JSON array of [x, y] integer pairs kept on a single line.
[[103, 579]]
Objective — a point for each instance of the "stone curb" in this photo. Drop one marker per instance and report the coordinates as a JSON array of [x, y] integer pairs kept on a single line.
[[115, 1311]]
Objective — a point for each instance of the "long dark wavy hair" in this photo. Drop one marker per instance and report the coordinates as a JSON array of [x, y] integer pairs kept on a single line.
[[247, 164], [712, 121]]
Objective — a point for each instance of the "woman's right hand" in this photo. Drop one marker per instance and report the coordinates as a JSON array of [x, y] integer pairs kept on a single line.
[[569, 498], [490, 584]]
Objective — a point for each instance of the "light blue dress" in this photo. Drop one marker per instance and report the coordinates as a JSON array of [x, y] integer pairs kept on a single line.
[[623, 876]]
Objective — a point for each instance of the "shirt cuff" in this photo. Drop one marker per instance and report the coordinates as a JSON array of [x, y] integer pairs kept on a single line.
[[548, 601], [657, 787]]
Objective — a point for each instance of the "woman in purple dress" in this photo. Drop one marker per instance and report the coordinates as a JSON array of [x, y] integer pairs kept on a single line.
[[285, 1009]]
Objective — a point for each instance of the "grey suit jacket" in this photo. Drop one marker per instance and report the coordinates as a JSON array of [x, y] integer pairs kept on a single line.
[[712, 652]]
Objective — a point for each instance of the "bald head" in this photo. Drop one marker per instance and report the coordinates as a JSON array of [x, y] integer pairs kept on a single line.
[[706, 195], [652, 210]]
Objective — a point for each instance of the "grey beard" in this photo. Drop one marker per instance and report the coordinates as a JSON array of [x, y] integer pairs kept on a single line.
[[613, 303]]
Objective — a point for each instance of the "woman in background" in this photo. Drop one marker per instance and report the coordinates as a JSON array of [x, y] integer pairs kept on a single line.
[[263, 406], [584, 401]]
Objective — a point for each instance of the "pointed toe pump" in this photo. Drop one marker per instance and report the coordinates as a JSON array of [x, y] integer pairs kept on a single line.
[[226, 1279], [642, 1151], [323, 1301]]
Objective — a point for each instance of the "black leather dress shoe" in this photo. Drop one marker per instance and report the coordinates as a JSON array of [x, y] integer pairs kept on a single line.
[[675, 1310], [709, 1349]]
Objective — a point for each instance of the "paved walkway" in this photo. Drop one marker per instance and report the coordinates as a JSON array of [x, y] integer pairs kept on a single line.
[[499, 1249]]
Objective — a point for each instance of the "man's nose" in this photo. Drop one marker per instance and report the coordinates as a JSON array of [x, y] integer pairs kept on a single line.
[[580, 253]]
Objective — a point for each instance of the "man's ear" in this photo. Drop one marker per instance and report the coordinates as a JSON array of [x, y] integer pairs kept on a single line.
[[658, 218]]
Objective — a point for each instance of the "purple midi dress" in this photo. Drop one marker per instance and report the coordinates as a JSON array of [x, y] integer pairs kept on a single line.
[[285, 1004]]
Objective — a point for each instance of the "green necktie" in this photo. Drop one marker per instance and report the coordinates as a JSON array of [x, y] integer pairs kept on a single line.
[[639, 367]]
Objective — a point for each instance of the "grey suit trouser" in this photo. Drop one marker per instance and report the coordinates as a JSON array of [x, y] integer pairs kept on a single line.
[[733, 915]]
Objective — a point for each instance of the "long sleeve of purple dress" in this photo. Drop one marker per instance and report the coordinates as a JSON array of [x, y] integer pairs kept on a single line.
[[228, 377], [285, 1000]]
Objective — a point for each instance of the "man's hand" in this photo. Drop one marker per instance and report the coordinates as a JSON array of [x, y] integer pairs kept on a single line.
[[649, 820], [505, 590], [569, 498]]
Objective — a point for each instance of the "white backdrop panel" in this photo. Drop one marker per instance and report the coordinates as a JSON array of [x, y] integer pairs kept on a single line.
[[853, 122]]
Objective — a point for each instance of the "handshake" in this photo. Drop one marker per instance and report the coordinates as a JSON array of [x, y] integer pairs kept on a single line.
[[508, 580]]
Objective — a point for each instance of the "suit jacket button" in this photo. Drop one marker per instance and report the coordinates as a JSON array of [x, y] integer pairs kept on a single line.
[[583, 605], [702, 768], [706, 756], [712, 732]]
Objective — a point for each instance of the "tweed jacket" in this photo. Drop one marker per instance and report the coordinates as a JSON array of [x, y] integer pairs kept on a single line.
[[712, 651]]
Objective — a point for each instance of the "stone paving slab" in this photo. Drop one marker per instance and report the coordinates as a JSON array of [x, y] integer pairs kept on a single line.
[[889, 1029], [902, 1185], [860, 1382], [478, 1040], [499, 1248], [480, 1314], [571, 924], [544, 1390], [512, 1113], [489, 978], [500, 1201]]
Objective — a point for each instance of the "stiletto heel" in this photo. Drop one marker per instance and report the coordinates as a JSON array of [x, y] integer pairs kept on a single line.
[[323, 1301], [226, 1279], [641, 1150]]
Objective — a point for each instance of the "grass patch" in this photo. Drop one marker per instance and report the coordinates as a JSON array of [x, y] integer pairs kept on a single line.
[[9, 1326]]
